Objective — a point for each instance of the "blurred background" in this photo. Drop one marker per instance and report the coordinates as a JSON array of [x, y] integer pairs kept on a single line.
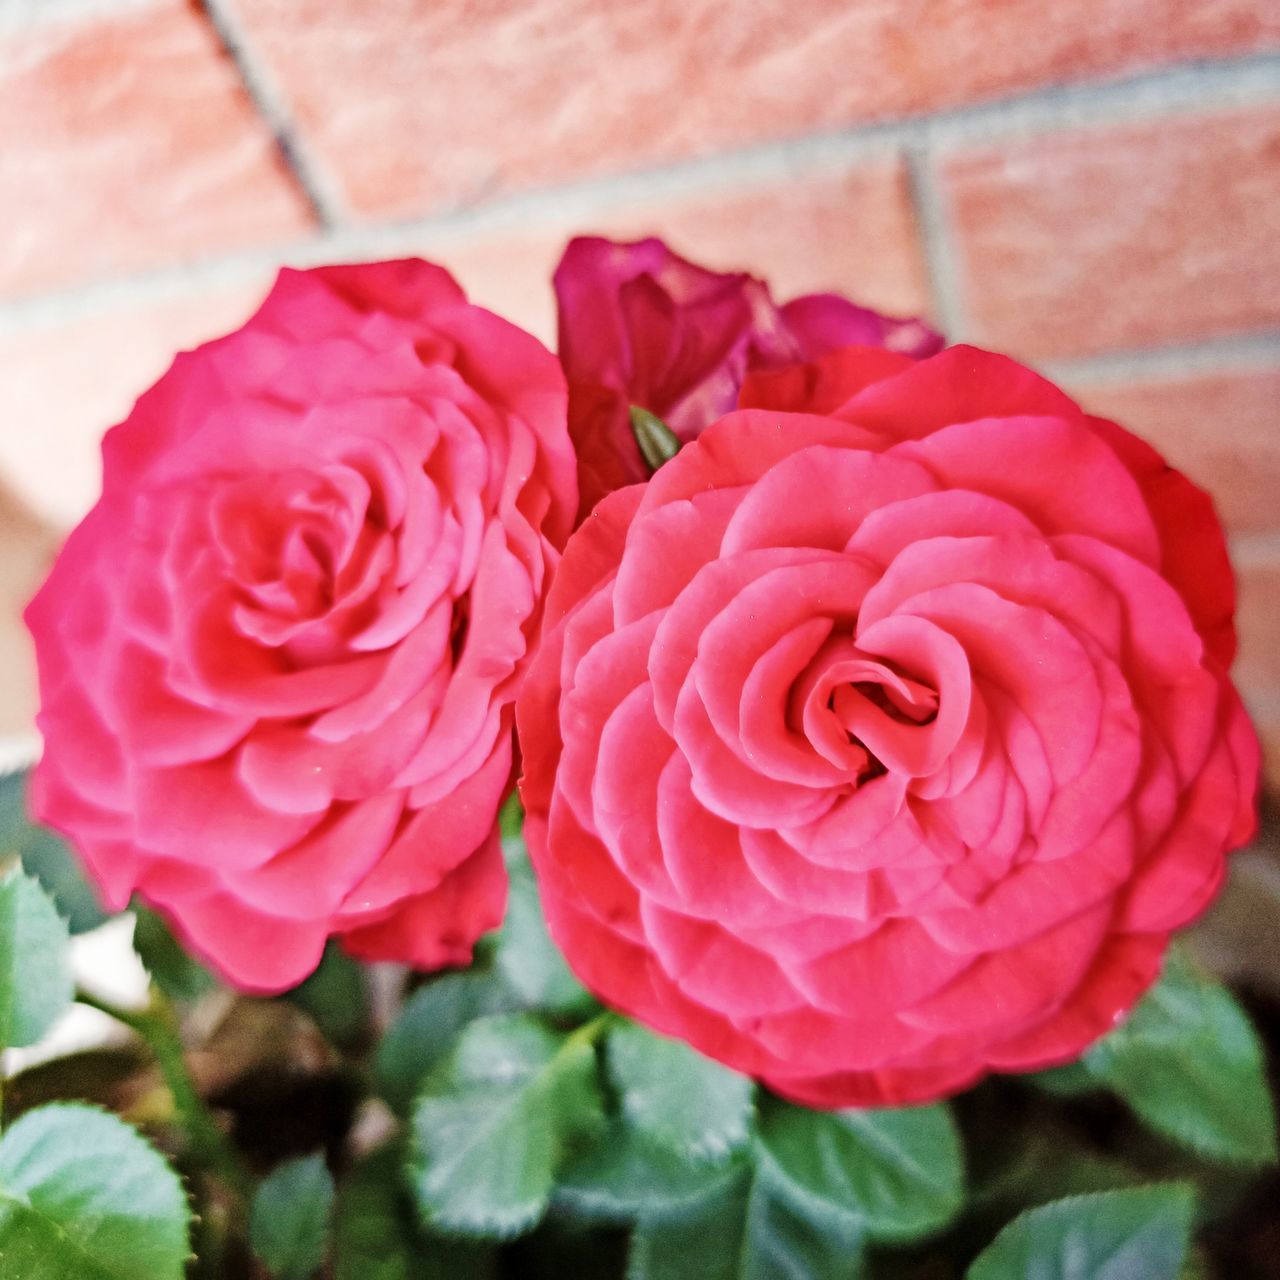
[[1093, 187]]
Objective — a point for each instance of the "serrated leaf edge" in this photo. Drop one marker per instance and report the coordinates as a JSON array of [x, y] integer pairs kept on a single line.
[[491, 1226], [873, 1227], [542, 1080], [190, 1216], [711, 1150], [1042, 1210], [1095, 1062]]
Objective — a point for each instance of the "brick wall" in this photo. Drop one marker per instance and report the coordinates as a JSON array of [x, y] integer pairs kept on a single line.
[[1094, 187]]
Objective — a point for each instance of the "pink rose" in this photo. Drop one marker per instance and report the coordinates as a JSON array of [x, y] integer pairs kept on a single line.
[[278, 658], [640, 325], [884, 736]]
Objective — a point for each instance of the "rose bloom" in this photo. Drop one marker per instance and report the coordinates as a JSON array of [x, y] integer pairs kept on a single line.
[[278, 659], [640, 325], [881, 740]]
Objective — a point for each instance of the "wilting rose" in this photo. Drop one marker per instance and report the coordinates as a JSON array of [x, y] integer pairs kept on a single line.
[[278, 659], [874, 748], [640, 325]]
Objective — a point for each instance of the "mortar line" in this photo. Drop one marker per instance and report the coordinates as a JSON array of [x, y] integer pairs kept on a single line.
[[1165, 94], [19, 15], [268, 99], [937, 245], [1159, 360], [1258, 549]]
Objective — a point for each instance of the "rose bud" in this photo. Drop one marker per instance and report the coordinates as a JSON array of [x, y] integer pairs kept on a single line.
[[639, 325], [881, 740], [278, 658]]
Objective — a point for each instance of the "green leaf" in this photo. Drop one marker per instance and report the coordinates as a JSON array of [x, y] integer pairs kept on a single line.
[[747, 1227], [658, 443], [1070, 1081], [175, 972], [289, 1218], [1039, 1160], [1196, 1267], [526, 958], [427, 1028], [895, 1174], [701, 1239], [1137, 1234], [336, 997], [493, 1125], [511, 817], [35, 966], [678, 1098], [784, 1237], [83, 1197], [46, 857], [1189, 1062], [375, 1236], [621, 1177]]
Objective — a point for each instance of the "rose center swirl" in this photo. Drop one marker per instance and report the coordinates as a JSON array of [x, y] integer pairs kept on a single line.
[[867, 716]]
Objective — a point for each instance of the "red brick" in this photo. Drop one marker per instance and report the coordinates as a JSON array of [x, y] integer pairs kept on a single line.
[[1264, 708], [1118, 236], [1257, 669], [417, 105], [1258, 623], [852, 231], [63, 384], [130, 142], [1221, 428], [508, 272]]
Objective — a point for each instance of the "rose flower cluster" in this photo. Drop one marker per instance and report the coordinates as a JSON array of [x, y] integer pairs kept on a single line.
[[877, 740]]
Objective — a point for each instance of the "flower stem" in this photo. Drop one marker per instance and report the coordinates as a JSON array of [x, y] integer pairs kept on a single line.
[[157, 1027]]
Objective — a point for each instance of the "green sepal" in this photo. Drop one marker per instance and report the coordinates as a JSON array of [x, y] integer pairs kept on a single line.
[[657, 442]]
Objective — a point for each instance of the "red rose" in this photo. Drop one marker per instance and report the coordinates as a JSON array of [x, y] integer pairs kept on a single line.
[[640, 325], [871, 749], [278, 658]]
